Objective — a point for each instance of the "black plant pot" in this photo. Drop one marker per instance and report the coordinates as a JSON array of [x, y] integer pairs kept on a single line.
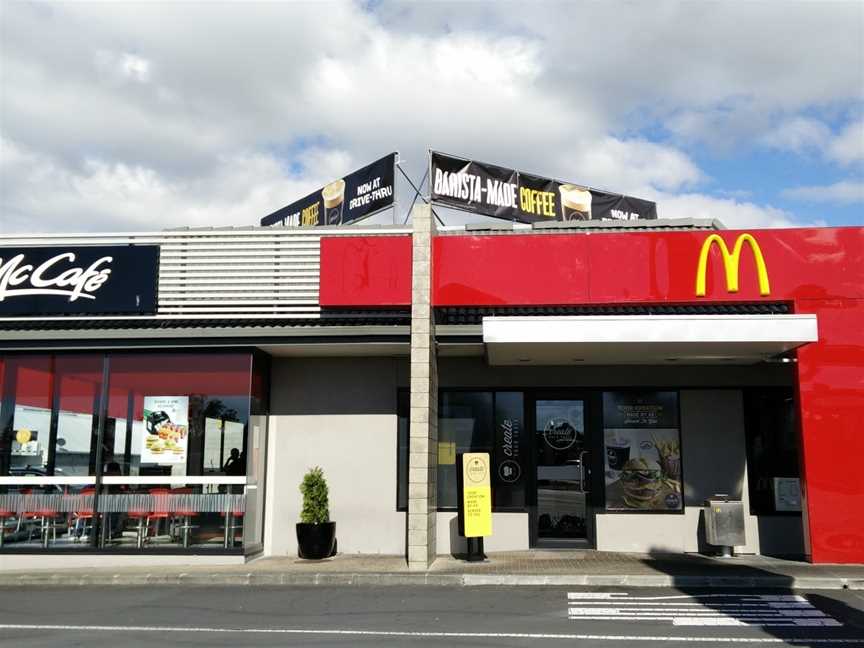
[[316, 541]]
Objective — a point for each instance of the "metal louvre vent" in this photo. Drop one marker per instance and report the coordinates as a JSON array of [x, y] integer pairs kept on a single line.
[[229, 275], [268, 272], [459, 316]]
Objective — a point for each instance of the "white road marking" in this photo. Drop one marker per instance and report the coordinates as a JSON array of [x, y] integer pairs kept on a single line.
[[775, 610], [744, 597], [436, 635]]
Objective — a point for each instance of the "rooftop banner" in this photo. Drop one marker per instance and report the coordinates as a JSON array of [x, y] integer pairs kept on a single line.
[[512, 195], [343, 201]]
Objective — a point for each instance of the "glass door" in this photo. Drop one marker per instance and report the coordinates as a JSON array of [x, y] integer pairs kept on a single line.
[[562, 451]]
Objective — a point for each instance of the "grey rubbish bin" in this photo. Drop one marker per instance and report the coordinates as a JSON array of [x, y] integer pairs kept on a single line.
[[724, 523]]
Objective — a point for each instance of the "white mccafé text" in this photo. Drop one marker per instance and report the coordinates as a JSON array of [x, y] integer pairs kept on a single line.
[[52, 278]]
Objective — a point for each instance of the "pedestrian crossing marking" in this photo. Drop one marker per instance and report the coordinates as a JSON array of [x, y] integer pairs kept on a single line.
[[775, 610]]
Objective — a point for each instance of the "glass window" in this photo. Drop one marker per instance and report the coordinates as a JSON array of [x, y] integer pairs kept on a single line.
[[402, 433], [772, 451], [78, 380], [26, 439], [490, 422], [177, 415], [511, 456], [173, 451], [642, 446], [465, 424]]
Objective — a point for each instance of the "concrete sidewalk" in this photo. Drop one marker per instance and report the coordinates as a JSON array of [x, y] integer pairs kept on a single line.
[[559, 568]]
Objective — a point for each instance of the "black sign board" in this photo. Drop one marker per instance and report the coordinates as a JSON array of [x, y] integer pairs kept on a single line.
[[512, 195], [632, 409], [78, 280], [357, 195]]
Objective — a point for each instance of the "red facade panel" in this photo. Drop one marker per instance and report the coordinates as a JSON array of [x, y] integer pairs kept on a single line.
[[649, 267], [365, 271], [831, 401], [818, 270]]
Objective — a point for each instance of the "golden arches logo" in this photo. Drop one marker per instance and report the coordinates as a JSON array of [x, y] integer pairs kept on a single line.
[[731, 262]]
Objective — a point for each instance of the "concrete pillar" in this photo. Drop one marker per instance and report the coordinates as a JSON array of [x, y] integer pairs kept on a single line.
[[423, 443]]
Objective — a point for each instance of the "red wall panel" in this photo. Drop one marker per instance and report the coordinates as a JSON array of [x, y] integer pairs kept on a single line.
[[831, 414], [504, 269], [649, 267], [365, 271], [820, 270]]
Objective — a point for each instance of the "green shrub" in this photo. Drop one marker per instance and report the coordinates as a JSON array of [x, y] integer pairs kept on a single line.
[[316, 508]]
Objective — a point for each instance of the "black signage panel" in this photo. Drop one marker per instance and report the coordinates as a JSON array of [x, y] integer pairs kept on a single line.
[[511, 451], [349, 199], [633, 409], [512, 195], [78, 280]]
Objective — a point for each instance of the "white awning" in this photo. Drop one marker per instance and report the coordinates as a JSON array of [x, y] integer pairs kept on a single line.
[[644, 339]]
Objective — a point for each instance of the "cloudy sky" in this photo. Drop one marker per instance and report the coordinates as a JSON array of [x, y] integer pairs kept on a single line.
[[121, 116]]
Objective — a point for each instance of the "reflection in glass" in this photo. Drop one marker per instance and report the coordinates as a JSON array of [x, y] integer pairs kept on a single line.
[[562, 469], [50, 409], [465, 424]]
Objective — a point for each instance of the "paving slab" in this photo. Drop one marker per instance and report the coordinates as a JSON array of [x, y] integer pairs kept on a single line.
[[522, 568]]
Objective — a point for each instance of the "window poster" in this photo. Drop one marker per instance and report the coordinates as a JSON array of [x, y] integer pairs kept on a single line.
[[642, 443], [509, 452], [166, 425]]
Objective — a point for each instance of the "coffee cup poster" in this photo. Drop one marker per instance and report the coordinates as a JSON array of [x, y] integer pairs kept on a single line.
[[642, 447], [505, 193], [343, 201], [166, 429]]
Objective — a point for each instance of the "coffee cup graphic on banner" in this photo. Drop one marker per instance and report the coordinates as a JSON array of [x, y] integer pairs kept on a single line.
[[575, 203], [334, 199]]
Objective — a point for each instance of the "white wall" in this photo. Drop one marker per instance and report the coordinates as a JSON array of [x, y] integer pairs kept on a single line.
[[340, 414], [509, 533]]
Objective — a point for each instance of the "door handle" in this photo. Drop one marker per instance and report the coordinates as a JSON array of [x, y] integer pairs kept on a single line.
[[582, 469]]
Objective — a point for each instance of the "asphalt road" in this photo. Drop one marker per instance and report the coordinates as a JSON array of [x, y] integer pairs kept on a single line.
[[426, 616]]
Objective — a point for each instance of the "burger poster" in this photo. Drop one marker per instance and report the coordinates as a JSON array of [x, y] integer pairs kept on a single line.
[[166, 430], [642, 444]]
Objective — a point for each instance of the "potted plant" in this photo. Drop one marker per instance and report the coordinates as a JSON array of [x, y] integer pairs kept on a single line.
[[316, 534]]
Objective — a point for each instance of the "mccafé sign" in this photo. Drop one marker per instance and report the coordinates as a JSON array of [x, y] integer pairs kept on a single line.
[[78, 280], [731, 263]]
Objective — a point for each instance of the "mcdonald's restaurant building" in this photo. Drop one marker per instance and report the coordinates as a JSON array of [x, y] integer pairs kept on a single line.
[[163, 393]]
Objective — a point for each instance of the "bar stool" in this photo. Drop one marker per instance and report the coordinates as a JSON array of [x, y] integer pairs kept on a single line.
[[47, 516], [231, 524], [81, 518], [185, 511], [5, 514], [161, 509], [140, 509]]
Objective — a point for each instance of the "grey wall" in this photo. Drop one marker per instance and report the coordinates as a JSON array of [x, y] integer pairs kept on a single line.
[[340, 414]]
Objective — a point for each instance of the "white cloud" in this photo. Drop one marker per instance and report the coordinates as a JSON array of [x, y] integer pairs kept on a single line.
[[843, 192], [848, 146], [223, 112], [123, 66], [732, 213], [632, 165], [116, 196], [797, 134]]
